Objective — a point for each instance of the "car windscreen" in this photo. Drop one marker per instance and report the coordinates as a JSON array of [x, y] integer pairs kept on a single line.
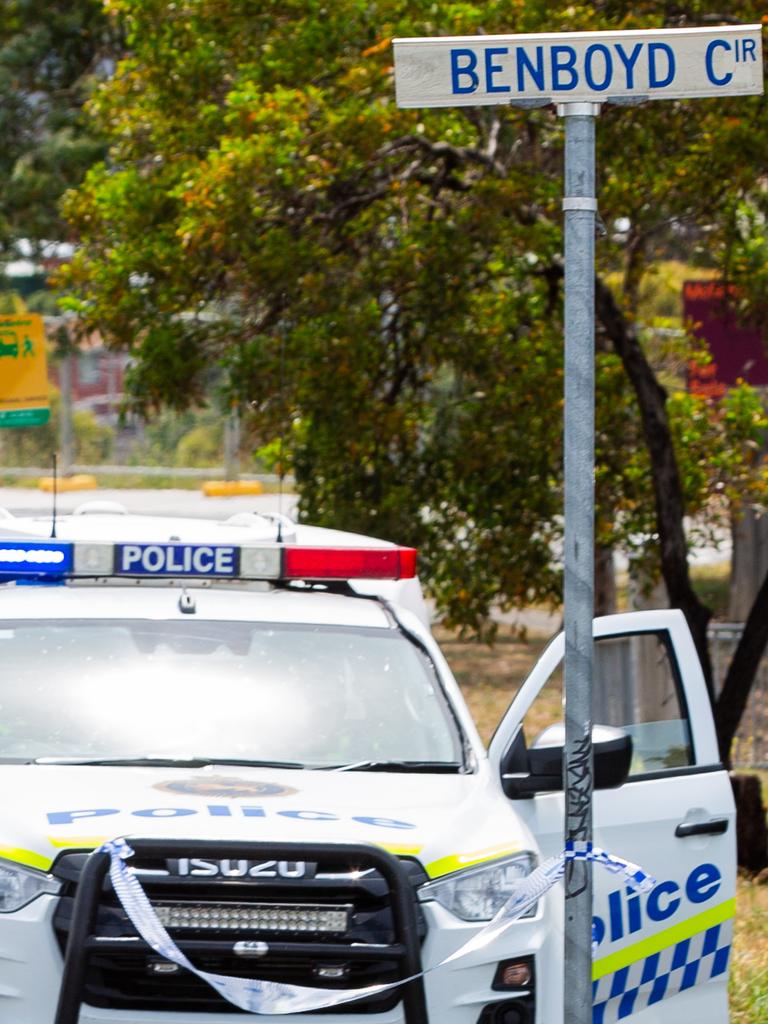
[[317, 695]]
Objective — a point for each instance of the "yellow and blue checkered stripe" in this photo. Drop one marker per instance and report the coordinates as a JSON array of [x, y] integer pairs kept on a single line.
[[692, 953]]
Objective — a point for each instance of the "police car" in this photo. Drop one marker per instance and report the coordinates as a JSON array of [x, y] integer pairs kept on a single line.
[[261, 709]]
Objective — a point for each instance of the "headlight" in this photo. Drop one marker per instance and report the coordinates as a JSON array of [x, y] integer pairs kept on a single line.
[[20, 885], [479, 893]]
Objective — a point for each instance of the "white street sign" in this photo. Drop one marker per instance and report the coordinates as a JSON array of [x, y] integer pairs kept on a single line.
[[451, 71], [578, 72]]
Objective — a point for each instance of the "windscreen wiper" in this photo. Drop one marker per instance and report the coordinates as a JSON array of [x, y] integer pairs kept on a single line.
[[167, 762], [444, 767]]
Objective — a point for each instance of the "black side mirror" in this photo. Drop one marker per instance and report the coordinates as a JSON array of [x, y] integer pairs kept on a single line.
[[525, 772]]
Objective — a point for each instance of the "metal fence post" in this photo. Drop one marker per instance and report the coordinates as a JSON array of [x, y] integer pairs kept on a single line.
[[66, 426], [232, 444]]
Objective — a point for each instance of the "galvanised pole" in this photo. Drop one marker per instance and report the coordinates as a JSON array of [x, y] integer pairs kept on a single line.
[[579, 205]]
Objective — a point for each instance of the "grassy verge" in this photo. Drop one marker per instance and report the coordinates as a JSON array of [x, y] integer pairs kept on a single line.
[[749, 966], [712, 586], [138, 481], [490, 678]]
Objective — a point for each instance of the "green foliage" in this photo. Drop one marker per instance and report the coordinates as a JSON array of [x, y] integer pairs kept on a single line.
[[35, 446], [49, 52], [722, 441], [191, 438], [746, 265], [381, 288], [201, 446], [10, 302], [712, 584]]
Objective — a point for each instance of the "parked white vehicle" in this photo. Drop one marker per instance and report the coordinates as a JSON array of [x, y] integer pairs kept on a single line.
[[262, 709]]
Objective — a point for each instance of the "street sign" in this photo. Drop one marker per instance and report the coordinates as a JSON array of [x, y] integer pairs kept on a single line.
[[579, 72], [23, 373], [597, 67]]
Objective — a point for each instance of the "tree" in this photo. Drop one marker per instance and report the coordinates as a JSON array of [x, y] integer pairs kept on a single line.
[[382, 287], [50, 51]]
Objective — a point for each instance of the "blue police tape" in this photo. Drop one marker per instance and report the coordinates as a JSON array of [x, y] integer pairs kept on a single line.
[[268, 997]]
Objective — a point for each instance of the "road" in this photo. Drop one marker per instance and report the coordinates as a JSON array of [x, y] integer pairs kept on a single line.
[[23, 501]]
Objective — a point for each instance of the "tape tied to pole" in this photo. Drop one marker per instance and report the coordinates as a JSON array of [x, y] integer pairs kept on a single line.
[[269, 997]]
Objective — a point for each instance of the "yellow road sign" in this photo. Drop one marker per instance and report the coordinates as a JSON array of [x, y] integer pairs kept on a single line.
[[23, 373]]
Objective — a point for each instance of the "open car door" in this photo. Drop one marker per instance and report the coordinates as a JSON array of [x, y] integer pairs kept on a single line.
[[662, 957]]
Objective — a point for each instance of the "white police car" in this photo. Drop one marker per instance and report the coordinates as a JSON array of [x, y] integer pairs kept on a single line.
[[261, 708]]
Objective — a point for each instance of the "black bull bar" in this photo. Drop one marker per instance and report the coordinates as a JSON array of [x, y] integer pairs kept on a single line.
[[404, 951]]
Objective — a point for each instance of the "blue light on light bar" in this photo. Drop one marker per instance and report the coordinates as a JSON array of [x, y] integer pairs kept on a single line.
[[176, 560], [34, 558]]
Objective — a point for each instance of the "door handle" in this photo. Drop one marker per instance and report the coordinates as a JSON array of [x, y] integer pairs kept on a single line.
[[713, 827]]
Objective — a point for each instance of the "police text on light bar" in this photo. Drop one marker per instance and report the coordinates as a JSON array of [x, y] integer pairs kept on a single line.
[[60, 560], [176, 559]]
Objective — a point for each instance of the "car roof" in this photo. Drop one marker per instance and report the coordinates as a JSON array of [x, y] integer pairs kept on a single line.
[[222, 603], [107, 521]]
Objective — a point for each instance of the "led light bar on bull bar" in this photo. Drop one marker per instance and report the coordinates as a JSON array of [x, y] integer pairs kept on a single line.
[[273, 917], [57, 560]]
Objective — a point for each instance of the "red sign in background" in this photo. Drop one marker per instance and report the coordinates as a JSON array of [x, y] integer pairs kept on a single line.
[[738, 352]]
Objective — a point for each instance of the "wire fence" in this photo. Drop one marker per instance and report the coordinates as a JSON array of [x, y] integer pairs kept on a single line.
[[751, 744]]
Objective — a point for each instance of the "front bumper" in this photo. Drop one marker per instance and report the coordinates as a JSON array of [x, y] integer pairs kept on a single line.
[[31, 970], [32, 967]]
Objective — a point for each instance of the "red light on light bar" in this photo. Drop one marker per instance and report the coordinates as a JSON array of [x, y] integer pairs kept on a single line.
[[301, 563]]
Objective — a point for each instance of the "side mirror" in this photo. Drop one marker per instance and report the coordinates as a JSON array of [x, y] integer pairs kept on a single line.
[[525, 772]]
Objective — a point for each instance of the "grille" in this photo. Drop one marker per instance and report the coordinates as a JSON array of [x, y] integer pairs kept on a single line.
[[347, 906]]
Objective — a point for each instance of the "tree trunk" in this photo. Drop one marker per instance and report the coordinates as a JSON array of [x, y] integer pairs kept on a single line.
[[670, 511], [605, 581], [751, 830], [668, 492], [741, 673]]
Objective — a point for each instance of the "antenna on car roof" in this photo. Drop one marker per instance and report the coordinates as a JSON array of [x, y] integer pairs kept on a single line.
[[55, 489]]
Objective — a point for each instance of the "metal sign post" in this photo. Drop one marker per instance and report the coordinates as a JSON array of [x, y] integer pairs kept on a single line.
[[579, 206], [578, 72]]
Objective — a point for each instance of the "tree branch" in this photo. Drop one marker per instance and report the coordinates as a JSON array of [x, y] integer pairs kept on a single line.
[[745, 662], [444, 150], [667, 487]]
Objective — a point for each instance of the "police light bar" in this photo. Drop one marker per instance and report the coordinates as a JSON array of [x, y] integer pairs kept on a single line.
[[34, 558], [173, 560], [302, 563]]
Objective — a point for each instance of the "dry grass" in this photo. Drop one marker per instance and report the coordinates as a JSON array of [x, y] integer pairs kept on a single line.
[[749, 967], [490, 678], [749, 973]]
